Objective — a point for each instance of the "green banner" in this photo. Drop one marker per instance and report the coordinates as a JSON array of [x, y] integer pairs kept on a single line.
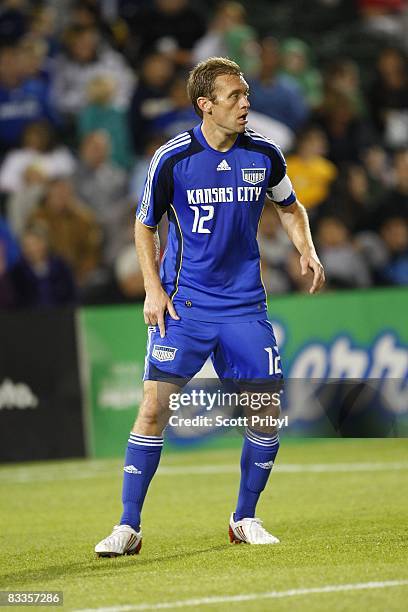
[[352, 334], [359, 332], [113, 352]]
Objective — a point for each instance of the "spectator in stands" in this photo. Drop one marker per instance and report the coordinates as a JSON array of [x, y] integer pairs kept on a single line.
[[150, 98], [374, 252], [39, 150], [229, 35], [73, 230], [353, 200], [276, 95], [395, 201], [123, 281], [167, 26], [84, 58], [89, 14], [141, 167], [347, 134], [296, 64], [378, 167], [394, 232], [40, 278], [22, 100], [119, 233], [389, 97], [128, 275], [181, 117], [274, 246], [101, 114], [343, 77], [43, 27], [344, 266], [20, 204], [358, 200], [33, 57], [311, 173], [99, 183]]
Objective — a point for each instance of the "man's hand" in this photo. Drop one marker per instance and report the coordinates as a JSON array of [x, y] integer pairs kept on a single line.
[[156, 303], [310, 260], [296, 224]]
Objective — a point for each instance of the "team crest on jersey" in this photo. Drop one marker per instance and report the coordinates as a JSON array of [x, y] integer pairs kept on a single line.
[[164, 353], [253, 175]]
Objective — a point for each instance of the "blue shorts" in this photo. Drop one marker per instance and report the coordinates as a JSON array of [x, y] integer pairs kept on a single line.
[[245, 351]]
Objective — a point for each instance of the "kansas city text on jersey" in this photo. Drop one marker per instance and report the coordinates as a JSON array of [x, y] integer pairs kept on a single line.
[[221, 195]]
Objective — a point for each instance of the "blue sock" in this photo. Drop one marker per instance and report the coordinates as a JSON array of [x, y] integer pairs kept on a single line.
[[258, 454], [141, 461]]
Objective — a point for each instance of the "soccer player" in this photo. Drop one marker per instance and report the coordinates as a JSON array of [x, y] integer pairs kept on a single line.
[[208, 298]]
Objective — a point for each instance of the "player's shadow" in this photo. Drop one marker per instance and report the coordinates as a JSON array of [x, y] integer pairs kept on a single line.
[[91, 565]]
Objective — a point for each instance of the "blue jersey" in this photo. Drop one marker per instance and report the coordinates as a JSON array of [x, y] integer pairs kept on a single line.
[[214, 201], [22, 105]]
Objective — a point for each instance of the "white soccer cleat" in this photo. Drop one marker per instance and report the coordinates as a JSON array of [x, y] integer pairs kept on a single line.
[[249, 531], [123, 540]]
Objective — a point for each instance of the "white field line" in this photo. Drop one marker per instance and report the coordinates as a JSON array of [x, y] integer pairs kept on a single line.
[[207, 601], [95, 469]]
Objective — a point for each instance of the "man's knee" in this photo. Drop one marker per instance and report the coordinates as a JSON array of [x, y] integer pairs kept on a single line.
[[154, 410], [150, 409]]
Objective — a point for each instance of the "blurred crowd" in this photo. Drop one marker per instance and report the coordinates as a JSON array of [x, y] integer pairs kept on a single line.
[[89, 89]]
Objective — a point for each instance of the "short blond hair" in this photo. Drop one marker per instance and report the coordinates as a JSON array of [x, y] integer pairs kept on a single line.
[[201, 80], [101, 89]]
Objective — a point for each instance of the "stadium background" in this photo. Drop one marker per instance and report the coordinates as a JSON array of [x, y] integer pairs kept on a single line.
[[88, 90]]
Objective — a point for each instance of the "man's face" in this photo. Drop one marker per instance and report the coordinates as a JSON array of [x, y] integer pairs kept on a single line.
[[229, 109], [84, 46]]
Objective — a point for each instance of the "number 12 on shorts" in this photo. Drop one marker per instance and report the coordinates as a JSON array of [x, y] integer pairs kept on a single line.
[[274, 360]]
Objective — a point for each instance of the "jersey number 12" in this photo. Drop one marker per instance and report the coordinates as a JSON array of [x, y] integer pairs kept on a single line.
[[198, 224]]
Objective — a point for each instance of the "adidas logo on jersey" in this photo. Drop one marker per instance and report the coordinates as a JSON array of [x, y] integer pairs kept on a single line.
[[223, 165], [265, 466], [131, 469]]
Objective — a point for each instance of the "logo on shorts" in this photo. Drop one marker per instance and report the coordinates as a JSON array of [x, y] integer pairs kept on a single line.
[[253, 175], [164, 353]]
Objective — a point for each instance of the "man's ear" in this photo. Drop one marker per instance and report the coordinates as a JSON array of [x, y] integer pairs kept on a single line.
[[205, 105]]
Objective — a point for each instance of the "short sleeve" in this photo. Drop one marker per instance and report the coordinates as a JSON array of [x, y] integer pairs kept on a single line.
[[279, 188], [157, 194]]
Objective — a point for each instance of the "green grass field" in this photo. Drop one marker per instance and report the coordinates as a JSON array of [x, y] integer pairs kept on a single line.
[[338, 524]]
